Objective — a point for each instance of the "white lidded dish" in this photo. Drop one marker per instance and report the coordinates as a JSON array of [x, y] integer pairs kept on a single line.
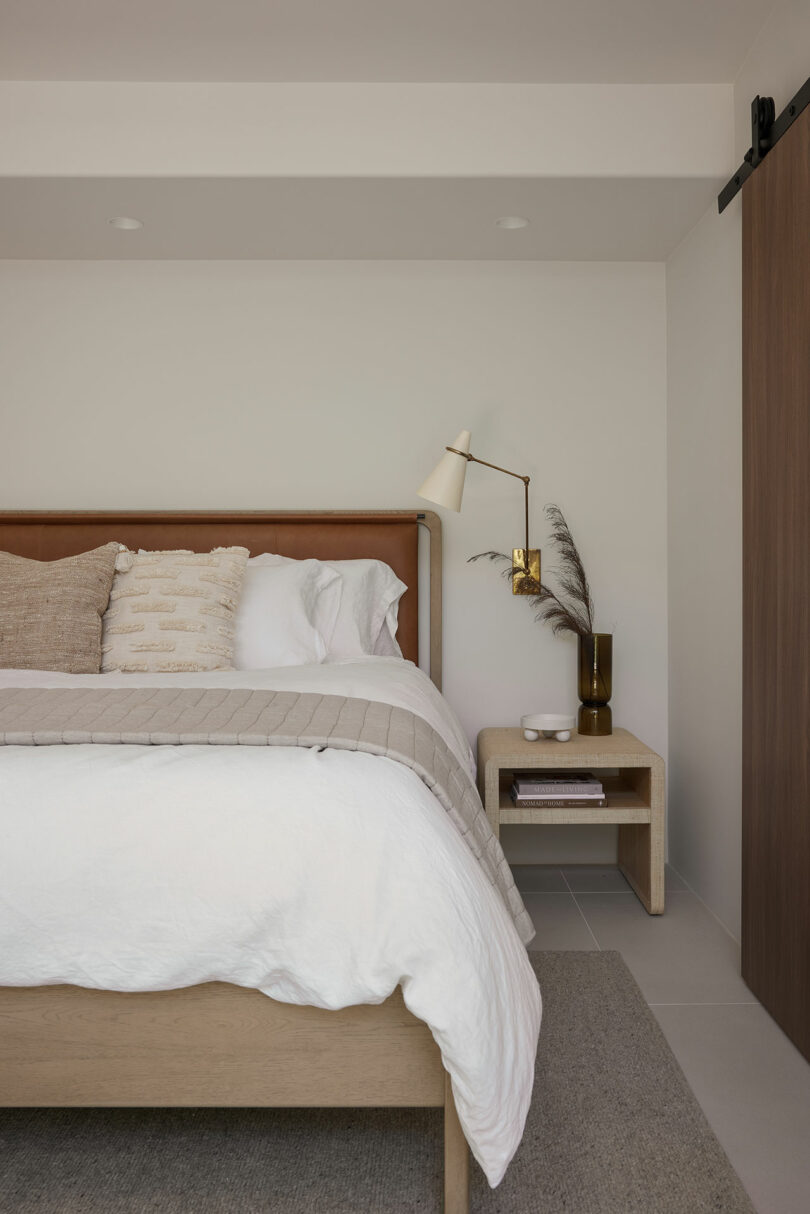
[[550, 724]]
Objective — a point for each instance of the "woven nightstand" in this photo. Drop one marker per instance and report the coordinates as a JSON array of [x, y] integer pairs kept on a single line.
[[633, 778]]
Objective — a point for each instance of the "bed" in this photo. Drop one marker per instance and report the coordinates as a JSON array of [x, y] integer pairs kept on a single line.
[[244, 1041]]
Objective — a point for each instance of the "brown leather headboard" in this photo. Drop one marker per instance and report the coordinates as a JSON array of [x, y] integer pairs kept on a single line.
[[390, 536]]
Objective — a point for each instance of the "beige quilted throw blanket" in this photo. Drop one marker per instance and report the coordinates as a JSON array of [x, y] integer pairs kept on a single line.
[[248, 717]]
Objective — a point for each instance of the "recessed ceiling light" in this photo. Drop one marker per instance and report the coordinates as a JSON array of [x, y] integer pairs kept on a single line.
[[125, 223], [511, 221]]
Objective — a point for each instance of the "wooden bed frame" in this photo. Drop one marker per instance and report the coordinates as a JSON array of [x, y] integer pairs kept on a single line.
[[218, 1044]]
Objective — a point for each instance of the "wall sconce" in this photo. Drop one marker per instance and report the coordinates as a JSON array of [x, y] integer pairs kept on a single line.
[[445, 487]]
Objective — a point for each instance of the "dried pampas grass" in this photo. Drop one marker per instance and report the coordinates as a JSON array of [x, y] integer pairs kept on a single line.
[[571, 608]]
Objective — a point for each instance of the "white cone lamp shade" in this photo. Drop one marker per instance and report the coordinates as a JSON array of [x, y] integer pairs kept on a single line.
[[445, 485]]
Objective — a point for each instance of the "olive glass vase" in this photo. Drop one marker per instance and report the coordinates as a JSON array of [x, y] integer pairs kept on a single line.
[[595, 684]]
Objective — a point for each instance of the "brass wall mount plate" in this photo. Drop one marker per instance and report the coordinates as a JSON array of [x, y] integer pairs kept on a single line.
[[527, 582]]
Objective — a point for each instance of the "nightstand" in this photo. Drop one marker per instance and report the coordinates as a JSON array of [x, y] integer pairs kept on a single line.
[[633, 779]]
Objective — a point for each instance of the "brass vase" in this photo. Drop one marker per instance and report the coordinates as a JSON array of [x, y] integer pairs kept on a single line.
[[595, 684]]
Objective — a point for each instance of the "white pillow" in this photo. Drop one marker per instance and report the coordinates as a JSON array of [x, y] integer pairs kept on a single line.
[[328, 597], [368, 603], [370, 600], [387, 645], [284, 606]]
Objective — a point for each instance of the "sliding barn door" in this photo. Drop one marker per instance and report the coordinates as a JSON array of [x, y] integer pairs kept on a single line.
[[776, 582]]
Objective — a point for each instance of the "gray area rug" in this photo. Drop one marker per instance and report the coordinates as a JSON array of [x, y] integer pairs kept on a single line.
[[613, 1129]]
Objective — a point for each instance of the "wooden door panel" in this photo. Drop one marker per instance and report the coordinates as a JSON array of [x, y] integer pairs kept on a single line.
[[776, 583]]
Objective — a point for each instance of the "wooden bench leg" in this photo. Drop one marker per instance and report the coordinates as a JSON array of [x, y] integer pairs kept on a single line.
[[456, 1158]]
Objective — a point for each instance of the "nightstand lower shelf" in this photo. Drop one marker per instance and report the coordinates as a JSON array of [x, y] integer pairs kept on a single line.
[[607, 816]]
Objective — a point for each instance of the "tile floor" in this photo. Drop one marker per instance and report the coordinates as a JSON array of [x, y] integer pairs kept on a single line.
[[752, 1083]]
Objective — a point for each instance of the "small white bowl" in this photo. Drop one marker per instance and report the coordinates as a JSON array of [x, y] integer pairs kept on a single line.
[[550, 724]]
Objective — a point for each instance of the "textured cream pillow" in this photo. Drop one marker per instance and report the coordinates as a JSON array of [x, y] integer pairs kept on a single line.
[[50, 611], [173, 611]]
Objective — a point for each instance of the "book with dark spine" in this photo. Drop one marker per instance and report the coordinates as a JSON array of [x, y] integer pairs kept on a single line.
[[560, 802], [559, 783]]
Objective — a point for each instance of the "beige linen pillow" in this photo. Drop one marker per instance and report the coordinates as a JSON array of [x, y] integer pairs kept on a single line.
[[173, 611], [50, 611]]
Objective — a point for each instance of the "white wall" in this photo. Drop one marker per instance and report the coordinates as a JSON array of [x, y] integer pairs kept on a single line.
[[311, 384], [705, 555], [705, 503]]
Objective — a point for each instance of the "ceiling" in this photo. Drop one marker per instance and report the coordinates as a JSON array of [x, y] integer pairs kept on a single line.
[[553, 41], [374, 41], [570, 219]]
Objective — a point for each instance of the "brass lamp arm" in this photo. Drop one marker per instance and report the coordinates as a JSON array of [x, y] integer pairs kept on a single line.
[[475, 460]]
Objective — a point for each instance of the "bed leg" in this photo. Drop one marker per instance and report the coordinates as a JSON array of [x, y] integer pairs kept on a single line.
[[456, 1158]]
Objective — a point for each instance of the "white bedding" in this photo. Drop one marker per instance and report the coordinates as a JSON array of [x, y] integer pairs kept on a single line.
[[316, 876]]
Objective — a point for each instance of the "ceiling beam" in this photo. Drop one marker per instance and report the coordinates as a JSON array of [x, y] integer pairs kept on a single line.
[[78, 129]]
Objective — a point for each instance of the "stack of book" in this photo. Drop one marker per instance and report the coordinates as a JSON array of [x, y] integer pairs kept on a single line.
[[557, 789]]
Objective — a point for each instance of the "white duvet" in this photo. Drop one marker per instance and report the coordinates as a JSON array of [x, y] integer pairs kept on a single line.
[[316, 876]]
